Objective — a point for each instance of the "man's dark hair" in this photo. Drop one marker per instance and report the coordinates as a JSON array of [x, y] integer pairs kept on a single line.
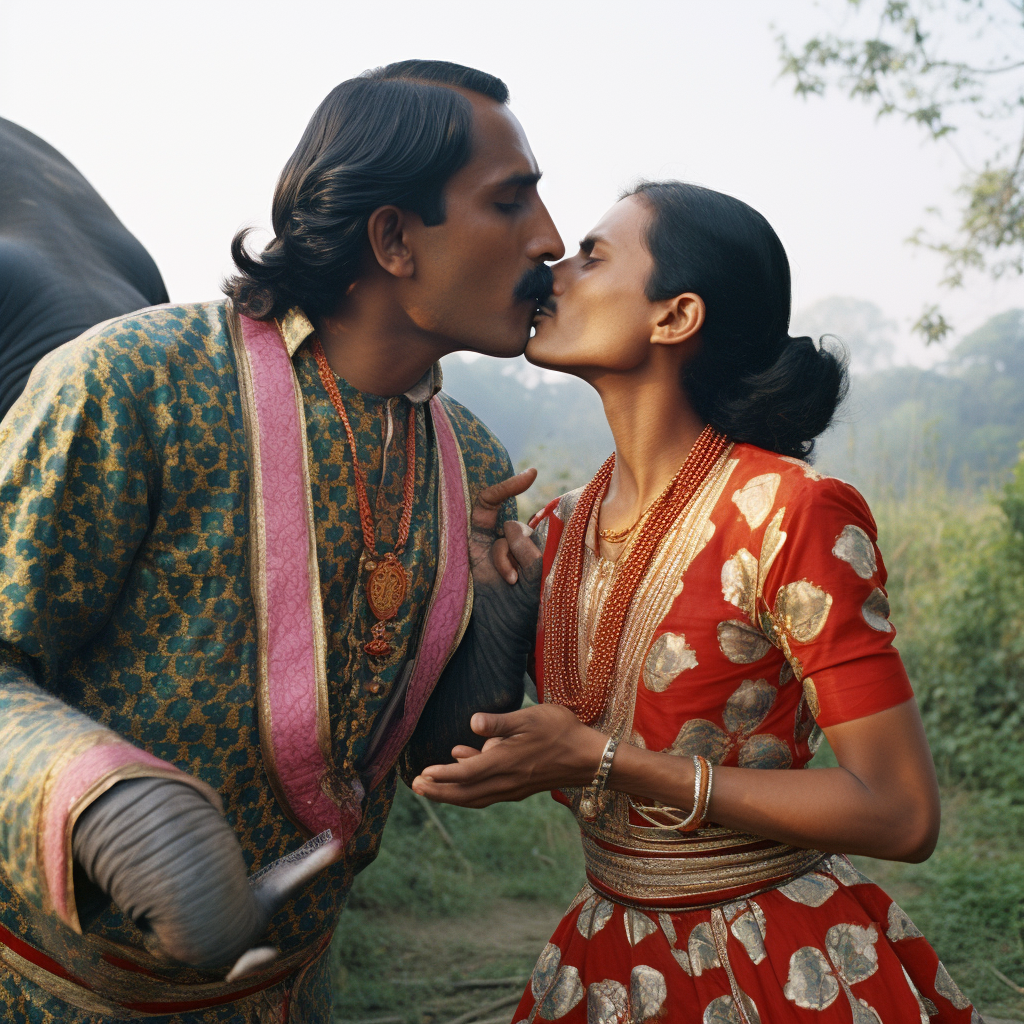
[[749, 379], [393, 136]]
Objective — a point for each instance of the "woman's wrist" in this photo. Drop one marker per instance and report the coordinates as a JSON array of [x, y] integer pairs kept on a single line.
[[653, 776]]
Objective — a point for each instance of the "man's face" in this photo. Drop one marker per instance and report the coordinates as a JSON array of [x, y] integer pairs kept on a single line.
[[473, 273]]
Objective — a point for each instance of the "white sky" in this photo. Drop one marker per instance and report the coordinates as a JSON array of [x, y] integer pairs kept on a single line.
[[181, 115]]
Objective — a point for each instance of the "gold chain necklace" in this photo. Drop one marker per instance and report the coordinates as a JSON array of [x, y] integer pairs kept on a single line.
[[388, 582]]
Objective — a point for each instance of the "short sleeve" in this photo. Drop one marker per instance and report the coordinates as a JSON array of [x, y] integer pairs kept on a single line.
[[823, 602]]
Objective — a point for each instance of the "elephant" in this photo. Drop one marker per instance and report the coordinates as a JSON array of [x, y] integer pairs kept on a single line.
[[66, 261]]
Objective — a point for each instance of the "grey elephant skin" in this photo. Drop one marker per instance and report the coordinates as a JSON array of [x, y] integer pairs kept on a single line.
[[66, 261]]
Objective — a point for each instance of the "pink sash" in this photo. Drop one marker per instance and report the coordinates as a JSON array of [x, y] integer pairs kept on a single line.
[[292, 690]]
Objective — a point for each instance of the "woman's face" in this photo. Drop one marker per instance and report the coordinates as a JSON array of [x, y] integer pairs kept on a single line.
[[598, 317]]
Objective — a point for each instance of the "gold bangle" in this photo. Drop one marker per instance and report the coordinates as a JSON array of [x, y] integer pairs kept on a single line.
[[592, 793]]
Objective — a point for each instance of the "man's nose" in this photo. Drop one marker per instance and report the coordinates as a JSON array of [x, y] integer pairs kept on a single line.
[[547, 244]]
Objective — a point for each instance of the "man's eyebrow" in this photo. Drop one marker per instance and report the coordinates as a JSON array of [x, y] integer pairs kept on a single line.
[[522, 180]]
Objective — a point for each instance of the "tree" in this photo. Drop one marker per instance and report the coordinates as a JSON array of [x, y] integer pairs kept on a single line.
[[944, 65]]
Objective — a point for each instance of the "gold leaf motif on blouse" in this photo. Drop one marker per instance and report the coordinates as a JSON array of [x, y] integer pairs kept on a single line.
[[771, 545], [947, 988], [748, 705], [669, 656], [647, 993], [900, 925], [756, 497], [803, 724], [607, 1003], [786, 673], [801, 610], [723, 1010], [701, 949], [739, 581], [593, 916], [876, 611], [811, 696], [765, 751], [699, 736], [812, 889], [638, 925], [741, 642], [854, 547]]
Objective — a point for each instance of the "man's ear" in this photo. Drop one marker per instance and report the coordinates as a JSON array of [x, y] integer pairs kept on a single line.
[[388, 232], [680, 319]]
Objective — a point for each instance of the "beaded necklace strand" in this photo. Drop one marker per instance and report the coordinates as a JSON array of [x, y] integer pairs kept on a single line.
[[562, 683], [388, 582]]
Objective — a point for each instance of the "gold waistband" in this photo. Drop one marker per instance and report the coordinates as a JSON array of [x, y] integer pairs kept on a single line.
[[693, 881]]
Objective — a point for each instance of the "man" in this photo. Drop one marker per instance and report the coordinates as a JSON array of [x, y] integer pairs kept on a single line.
[[234, 541]]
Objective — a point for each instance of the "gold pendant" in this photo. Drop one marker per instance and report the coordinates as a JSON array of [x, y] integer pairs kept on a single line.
[[386, 587], [378, 647]]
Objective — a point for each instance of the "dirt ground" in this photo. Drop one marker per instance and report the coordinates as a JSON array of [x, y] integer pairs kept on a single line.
[[435, 971]]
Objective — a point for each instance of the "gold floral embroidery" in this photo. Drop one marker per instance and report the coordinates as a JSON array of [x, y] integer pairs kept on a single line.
[[744, 711], [812, 889], [593, 916], [741, 642], [816, 978], [947, 988], [801, 610], [647, 994], [756, 497], [900, 925], [669, 656], [607, 1002], [739, 581], [700, 947], [811, 696], [563, 996], [809, 471], [748, 925], [638, 925], [876, 611], [723, 1010], [854, 547]]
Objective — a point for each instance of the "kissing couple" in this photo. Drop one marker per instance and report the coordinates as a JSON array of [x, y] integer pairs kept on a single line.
[[259, 564]]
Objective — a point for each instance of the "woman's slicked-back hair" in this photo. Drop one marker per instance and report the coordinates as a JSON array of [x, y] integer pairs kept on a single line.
[[749, 379], [393, 136]]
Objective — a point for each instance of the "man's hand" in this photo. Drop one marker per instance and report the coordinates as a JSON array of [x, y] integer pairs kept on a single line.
[[529, 751], [484, 523]]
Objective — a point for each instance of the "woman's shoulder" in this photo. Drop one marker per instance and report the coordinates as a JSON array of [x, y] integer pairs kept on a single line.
[[763, 482]]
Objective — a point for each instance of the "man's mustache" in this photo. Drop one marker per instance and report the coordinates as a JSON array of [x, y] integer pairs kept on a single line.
[[535, 285]]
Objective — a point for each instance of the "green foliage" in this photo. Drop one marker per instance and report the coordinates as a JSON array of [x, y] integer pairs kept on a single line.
[[924, 59]]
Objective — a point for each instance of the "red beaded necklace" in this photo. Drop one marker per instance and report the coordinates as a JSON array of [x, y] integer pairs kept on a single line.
[[562, 683], [388, 581]]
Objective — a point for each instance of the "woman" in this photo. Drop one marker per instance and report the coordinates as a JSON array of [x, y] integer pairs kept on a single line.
[[709, 604]]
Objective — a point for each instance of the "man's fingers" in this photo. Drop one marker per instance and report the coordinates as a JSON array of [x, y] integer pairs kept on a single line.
[[519, 538], [490, 499], [507, 567]]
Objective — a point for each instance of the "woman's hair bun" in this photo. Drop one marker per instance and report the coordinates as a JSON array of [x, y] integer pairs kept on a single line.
[[749, 379]]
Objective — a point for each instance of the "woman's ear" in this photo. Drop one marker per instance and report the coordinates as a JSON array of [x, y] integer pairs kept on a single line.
[[680, 319], [388, 230]]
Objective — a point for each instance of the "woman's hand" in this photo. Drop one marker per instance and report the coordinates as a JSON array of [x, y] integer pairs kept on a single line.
[[529, 751]]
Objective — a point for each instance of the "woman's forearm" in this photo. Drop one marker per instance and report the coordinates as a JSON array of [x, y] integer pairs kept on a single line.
[[879, 806]]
